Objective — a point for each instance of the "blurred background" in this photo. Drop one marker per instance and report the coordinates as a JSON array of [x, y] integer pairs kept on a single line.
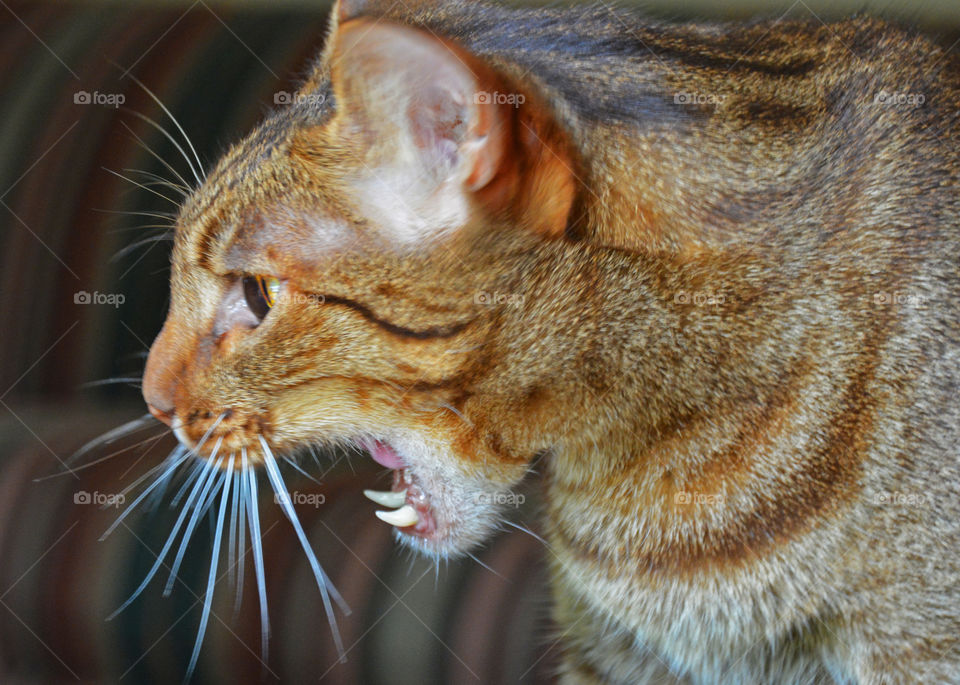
[[83, 292]]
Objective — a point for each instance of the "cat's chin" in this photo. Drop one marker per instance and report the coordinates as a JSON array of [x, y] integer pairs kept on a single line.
[[432, 510]]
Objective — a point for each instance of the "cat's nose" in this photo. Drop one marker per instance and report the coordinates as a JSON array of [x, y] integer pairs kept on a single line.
[[160, 378], [162, 415]]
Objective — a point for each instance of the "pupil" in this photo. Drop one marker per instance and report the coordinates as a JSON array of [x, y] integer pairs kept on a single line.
[[253, 291]]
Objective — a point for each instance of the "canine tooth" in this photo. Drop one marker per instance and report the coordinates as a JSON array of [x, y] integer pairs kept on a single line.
[[404, 516], [386, 499]]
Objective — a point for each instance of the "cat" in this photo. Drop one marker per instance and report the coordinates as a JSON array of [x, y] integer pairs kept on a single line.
[[705, 275]]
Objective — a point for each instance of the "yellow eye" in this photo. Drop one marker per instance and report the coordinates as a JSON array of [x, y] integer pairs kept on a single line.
[[261, 293]]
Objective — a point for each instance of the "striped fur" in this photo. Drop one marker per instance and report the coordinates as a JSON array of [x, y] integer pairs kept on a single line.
[[728, 271]]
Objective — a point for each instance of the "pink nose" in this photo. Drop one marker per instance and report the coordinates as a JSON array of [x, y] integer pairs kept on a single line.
[[165, 416]]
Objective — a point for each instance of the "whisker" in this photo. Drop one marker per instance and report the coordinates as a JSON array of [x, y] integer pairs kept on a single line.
[[257, 544], [197, 469], [212, 577], [173, 140], [232, 539], [527, 531], [157, 179], [158, 157], [109, 381], [166, 216], [141, 186], [476, 559], [111, 435], [177, 460], [124, 251], [175, 123], [241, 536], [89, 464], [177, 450], [298, 468], [451, 408], [326, 588], [209, 478]]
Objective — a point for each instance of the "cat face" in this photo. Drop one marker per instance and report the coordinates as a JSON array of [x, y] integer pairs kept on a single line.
[[332, 281]]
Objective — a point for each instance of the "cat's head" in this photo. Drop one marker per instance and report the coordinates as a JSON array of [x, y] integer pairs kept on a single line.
[[355, 270]]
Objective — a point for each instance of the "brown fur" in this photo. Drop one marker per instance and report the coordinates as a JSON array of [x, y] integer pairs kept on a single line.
[[731, 326]]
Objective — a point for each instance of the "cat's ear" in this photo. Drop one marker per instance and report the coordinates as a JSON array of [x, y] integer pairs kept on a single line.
[[436, 128], [345, 10]]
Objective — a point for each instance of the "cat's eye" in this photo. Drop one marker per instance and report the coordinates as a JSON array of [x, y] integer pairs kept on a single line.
[[261, 293]]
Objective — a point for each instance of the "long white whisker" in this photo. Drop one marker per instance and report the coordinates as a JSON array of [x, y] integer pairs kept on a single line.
[[190, 478], [124, 251], [157, 179], [257, 544], [158, 157], [192, 524], [113, 434], [107, 457], [298, 468], [158, 494], [326, 587], [203, 440], [241, 536], [165, 216], [232, 539], [179, 451], [214, 559], [177, 460], [198, 468], [173, 140], [141, 186], [172, 118], [109, 381], [526, 530]]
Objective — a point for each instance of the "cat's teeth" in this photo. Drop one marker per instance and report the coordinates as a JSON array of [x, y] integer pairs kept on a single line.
[[386, 499], [402, 517]]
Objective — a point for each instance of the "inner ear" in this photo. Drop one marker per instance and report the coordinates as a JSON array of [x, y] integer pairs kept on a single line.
[[398, 86], [443, 131]]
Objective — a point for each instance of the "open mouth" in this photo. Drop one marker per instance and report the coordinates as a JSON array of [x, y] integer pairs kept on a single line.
[[409, 506]]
